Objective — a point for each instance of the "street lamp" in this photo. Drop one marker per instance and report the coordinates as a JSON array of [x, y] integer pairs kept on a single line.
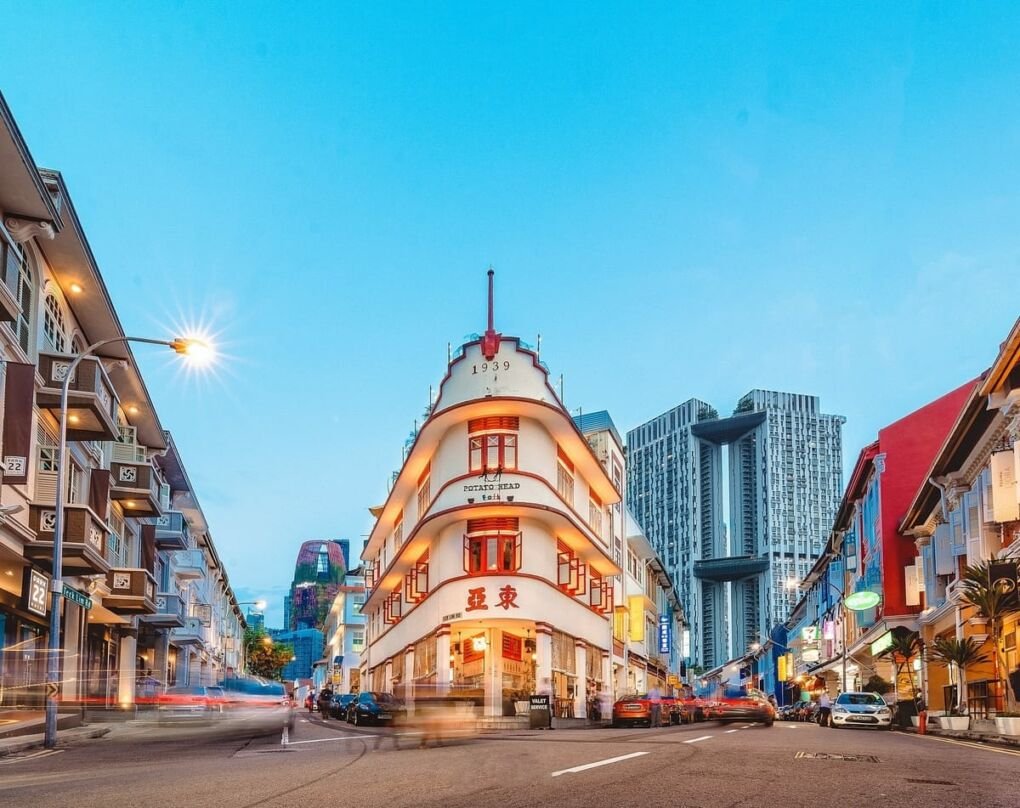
[[194, 349]]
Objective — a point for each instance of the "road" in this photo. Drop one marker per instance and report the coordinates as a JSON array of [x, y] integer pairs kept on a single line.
[[703, 765]]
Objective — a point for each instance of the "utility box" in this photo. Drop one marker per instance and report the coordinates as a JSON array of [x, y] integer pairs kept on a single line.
[[539, 712]]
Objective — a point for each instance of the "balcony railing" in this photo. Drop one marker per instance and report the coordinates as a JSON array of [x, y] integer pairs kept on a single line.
[[84, 536], [136, 487], [132, 591], [190, 564], [91, 401], [191, 633], [169, 611], [172, 532]]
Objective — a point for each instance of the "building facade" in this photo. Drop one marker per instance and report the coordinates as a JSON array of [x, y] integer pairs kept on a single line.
[[476, 558], [735, 506], [121, 503], [966, 513], [345, 634]]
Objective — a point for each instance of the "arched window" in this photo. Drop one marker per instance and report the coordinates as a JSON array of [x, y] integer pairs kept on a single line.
[[53, 325], [77, 344], [18, 273]]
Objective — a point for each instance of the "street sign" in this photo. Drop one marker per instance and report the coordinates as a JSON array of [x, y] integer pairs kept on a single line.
[[52, 689], [665, 634], [673, 680], [883, 642], [75, 596]]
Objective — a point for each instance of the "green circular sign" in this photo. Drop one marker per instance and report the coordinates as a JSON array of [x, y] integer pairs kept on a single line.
[[859, 601]]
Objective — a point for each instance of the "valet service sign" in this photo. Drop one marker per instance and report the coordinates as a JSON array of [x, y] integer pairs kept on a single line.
[[489, 491]]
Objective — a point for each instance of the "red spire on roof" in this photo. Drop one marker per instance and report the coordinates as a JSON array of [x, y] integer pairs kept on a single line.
[[490, 340]]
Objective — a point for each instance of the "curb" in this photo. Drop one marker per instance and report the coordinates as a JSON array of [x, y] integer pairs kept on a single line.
[[65, 740]]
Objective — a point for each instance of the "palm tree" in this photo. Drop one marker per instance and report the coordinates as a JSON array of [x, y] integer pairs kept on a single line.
[[903, 649], [960, 654], [991, 604]]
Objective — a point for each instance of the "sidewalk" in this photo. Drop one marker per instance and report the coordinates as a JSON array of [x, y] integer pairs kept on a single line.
[[968, 735], [65, 737]]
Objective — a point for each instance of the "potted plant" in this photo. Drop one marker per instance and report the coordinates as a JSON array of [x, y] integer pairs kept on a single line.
[[992, 605], [1007, 723], [956, 655], [904, 648]]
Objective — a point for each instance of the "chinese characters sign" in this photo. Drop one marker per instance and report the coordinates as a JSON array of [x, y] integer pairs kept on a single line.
[[476, 599], [664, 634]]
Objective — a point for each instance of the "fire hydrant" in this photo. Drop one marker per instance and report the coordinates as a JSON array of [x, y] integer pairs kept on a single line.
[[922, 722]]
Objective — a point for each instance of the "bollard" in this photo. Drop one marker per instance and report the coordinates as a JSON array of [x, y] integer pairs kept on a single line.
[[922, 722]]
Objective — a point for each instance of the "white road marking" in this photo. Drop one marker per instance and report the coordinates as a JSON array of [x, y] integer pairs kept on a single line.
[[337, 738], [598, 763], [702, 738], [790, 726], [732, 730], [33, 756], [747, 726]]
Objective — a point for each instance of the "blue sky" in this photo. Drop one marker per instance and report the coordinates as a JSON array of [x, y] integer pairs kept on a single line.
[[684, 201]]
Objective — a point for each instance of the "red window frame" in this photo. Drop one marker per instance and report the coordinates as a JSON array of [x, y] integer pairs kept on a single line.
[[393, 607], [493, 443], [571, 572], [488, 553], [601, 596], [416, 582]]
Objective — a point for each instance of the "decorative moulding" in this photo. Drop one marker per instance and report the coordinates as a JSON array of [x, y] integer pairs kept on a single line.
[[22, 230]]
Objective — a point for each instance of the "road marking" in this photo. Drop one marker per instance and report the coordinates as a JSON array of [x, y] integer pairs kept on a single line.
[[790, 726], [338, 738], [747, 726], [972, 745], [702, 738], [33, 756], [732, 730], [598, 763]]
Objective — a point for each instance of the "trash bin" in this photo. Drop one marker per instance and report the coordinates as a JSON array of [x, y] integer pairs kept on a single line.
[[539, 712]]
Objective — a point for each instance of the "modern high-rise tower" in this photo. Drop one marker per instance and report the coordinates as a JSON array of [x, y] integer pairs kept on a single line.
[[318, 575], [736, 507]]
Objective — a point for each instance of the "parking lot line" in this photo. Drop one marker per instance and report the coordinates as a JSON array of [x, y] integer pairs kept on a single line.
[[732, 730], [702, 738], [597, 763]]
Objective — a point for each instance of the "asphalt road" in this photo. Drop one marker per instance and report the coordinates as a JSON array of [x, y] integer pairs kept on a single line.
[[704, 765]]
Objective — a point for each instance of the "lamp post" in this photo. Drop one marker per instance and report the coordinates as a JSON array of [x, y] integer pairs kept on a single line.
[[188, 347]]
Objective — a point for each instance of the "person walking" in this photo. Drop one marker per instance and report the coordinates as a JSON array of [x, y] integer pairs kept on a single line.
[[824, 709]]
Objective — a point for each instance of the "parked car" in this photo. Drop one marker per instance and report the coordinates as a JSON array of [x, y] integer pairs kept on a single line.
[[860, 710], [339, 703], [190, 703], [671, 706], [809, 712], [376, 708], [258, 703], [693, 710], [642, 710], [738, 704]]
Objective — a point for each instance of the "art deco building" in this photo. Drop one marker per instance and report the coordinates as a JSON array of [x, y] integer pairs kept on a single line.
[[735, 507], [490, 559]]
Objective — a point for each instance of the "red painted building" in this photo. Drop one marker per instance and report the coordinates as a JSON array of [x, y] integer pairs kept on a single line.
[[885, 478]]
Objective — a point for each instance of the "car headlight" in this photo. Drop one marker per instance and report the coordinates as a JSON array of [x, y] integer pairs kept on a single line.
[[885, 711], [840, 710]]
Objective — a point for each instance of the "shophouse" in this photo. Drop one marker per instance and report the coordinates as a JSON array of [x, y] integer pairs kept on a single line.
[[966, 513], [345, 634], [53, 304], [478, 553]]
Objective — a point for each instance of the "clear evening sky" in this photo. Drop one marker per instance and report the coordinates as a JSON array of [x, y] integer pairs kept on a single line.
[[682, 201]]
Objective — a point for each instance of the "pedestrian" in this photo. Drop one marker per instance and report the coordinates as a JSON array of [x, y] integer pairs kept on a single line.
[[824, 709]]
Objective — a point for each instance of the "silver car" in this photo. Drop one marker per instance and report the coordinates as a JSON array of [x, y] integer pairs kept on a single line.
[[860, 710]]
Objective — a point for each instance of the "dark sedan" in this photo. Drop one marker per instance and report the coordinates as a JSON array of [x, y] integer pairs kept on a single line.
[[340, 703], [376, 708]]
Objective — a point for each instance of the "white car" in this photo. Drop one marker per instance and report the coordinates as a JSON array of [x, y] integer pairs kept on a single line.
[[860, 710]]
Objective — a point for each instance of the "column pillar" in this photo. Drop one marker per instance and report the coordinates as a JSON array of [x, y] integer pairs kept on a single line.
[[581, 682], [606, 696], [72, 664], [444, 670], [408, 679], [127, 672], [543, 662], [494, 671], [161, 654]]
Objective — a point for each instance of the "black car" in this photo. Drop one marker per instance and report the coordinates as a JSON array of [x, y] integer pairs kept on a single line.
[[340, 703], [375, 708]]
